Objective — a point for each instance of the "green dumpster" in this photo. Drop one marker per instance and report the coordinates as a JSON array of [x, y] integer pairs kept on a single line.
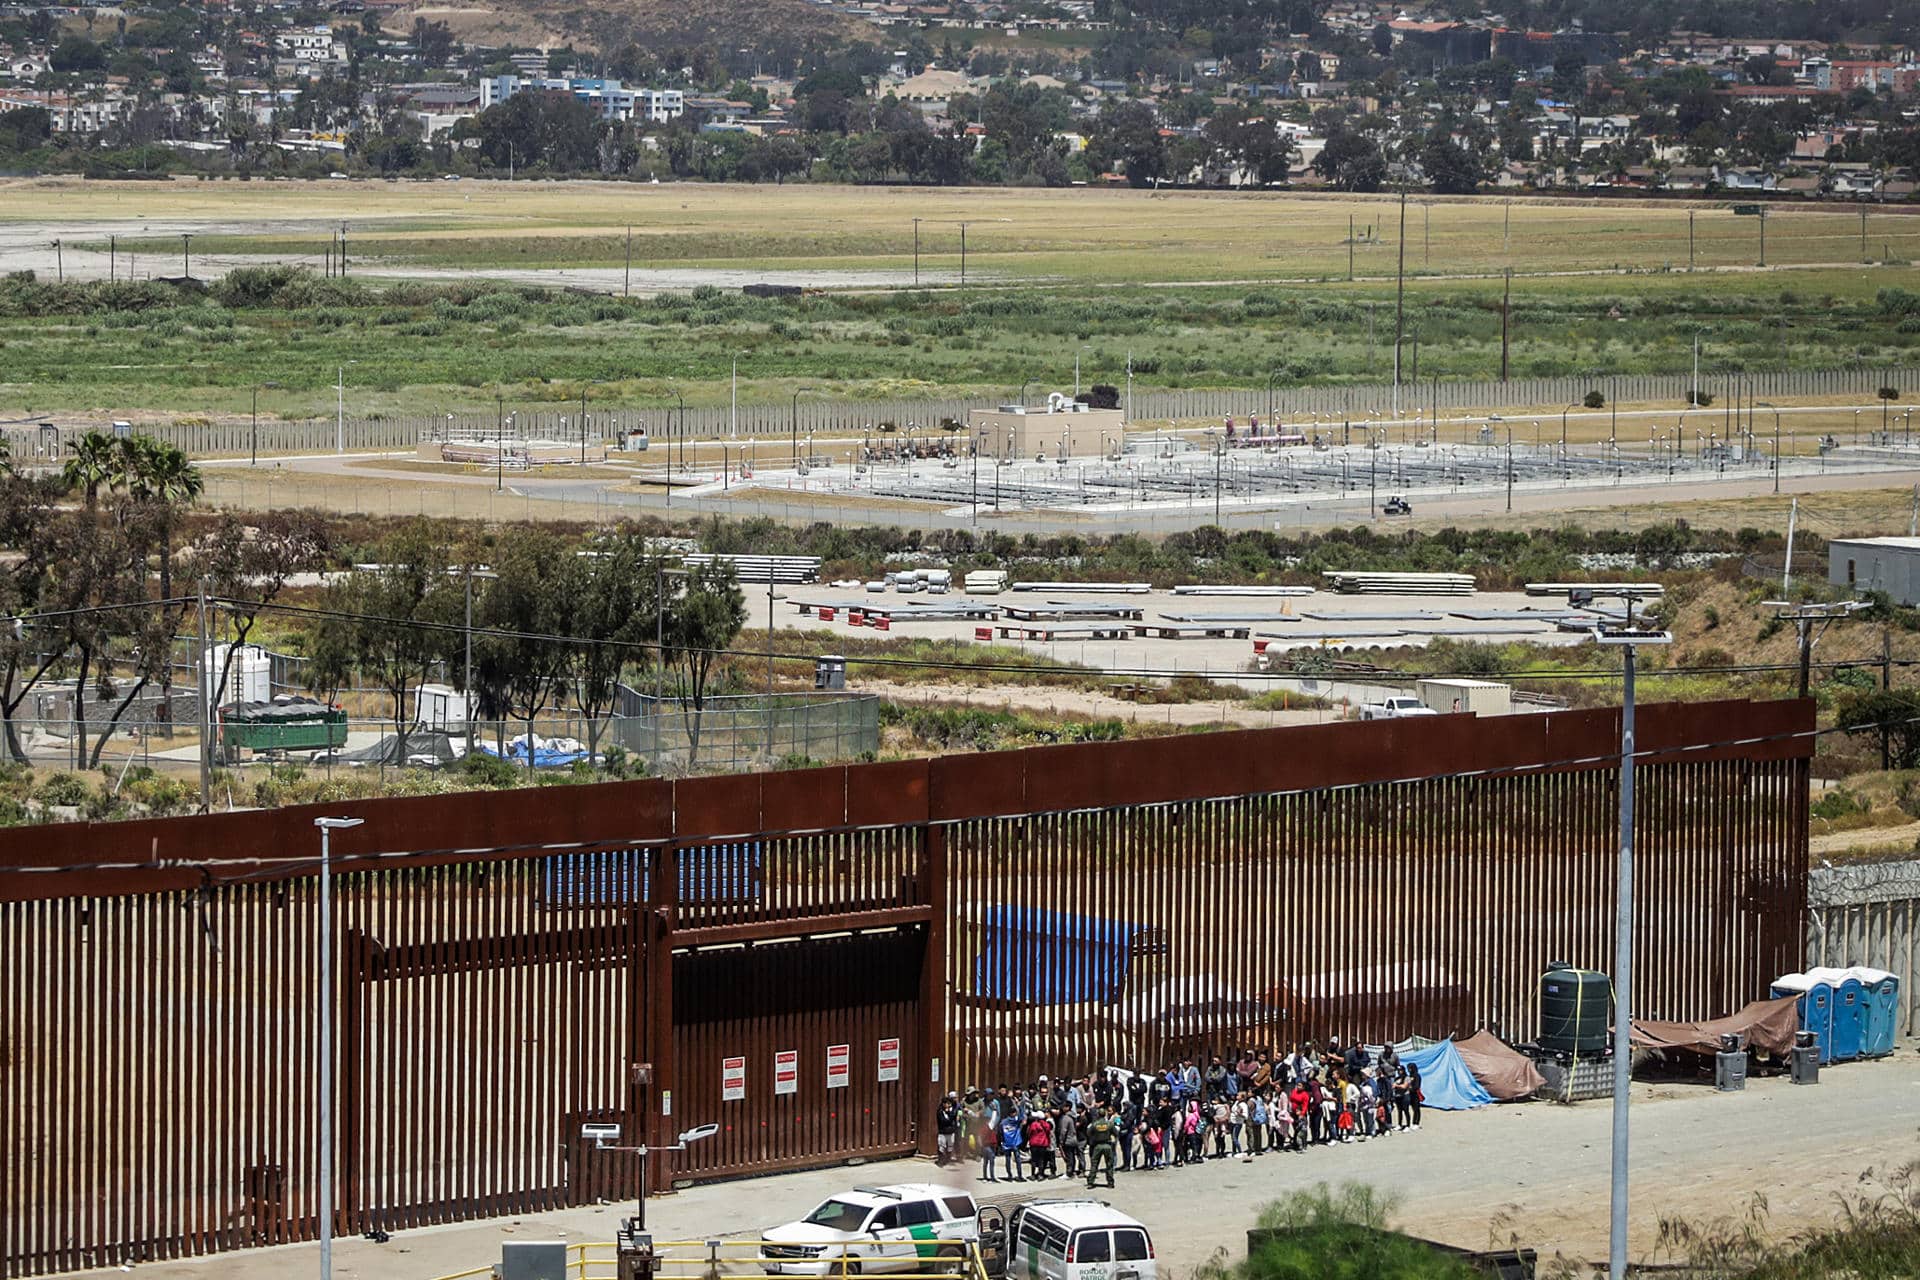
[[298, 724]]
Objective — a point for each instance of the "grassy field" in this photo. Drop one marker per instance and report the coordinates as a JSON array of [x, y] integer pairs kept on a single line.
[[1072, 235], [1128, 275]]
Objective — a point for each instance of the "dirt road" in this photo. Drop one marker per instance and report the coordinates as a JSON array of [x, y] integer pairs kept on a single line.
[[1535, 1172]]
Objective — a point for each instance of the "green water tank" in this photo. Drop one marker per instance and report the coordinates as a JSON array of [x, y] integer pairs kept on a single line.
[[1575, 1010]]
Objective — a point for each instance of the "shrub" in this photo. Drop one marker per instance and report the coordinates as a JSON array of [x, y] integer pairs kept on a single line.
[[68, 789], [1594, 400]]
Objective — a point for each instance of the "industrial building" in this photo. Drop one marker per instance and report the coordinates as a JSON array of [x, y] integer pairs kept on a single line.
[[1891, 565], [1061, 428]]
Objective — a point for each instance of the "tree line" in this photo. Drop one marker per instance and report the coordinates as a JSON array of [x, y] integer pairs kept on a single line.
[[103, 568]]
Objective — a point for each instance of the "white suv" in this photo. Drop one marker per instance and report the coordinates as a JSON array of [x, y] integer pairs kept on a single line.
[[912, 1226]]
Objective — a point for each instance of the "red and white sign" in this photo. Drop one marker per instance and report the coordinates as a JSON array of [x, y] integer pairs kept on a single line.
[[786, 1071], [839, 1065], [889, 1060], [733, 1079]]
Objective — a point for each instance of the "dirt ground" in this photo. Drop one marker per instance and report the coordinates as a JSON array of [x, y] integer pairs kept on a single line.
[[1536, 1173]]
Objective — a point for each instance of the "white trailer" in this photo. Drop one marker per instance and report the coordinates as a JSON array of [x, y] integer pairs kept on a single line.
[[1475, 697]]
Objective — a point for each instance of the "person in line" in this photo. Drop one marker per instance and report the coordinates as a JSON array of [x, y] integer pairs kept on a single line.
[[1414, 1096], [1039, 1142], [946, 1129], [1066, 1133], [1011, 1144]]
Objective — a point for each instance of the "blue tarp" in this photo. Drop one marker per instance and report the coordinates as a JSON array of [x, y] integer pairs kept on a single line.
[[543, 757], [1029, 956], [708, 873], [1445, 1080]]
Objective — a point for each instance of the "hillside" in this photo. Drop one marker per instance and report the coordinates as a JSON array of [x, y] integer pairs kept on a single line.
[[776, 28]]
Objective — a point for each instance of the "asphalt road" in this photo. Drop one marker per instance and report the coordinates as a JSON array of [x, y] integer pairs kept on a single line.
[[1536, 1172]]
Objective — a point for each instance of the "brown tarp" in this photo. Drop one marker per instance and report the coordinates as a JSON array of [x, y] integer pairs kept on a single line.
[[1767, 1024], [1506, 1075]]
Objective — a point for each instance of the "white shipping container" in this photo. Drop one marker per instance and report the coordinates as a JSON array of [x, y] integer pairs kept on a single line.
[[1474, 697]]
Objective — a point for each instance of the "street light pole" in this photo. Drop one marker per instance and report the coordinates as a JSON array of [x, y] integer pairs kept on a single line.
[[1628, 637], [323, 1131], [916, 253]]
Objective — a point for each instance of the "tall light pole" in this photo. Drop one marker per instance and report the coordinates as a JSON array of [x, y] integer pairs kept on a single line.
[[1776, 440], [253, 438], [916, 253], [323, 1131], [1628, 637], [583, 418], [793, 424], [1509, 468], [340, 407]]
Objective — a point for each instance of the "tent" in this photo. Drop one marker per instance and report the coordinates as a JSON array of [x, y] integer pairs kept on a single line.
[[1445, 1080], [1767, 1024], [1507, 1075]]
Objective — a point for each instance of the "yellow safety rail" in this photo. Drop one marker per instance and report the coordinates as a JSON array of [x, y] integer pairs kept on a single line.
[[716, 1259]]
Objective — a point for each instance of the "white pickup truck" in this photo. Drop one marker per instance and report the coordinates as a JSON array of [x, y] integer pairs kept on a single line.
[[1395, 708]]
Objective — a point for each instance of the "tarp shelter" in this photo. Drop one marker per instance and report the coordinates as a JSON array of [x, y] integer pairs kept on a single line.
[[1032, 957], [417, 747], [1445, 1080], [1766, 1024], [1502, 1072]]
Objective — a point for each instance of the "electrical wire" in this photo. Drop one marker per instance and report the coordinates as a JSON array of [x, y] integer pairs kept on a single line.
[[263, 865]]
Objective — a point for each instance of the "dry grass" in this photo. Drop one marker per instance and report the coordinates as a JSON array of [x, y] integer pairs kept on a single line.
[[1084, 234]]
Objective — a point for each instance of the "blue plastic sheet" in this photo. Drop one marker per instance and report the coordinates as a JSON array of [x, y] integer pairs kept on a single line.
[[1445, 1080]]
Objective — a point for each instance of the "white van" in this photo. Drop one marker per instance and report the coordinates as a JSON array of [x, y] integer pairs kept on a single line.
[[1077, 1240], [911, 1226]]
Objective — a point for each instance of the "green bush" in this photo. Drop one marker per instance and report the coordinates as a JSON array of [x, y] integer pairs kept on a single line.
[[69, 789]]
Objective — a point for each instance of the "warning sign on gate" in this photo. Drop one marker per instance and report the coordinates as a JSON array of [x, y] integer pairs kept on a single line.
[[839, 1061], [786, 1071], [733, 1079], [889, 1060]]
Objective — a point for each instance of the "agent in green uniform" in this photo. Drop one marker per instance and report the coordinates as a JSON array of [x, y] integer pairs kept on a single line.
[[1100, 1135]]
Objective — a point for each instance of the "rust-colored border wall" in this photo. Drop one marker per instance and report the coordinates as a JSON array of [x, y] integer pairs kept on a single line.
[[157, 991], [894, 793]]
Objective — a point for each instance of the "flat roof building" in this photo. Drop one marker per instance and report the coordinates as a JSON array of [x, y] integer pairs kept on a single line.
[[1060, 428], [1891, 565]]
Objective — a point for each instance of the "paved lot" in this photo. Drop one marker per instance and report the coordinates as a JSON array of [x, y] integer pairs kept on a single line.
[[1536, 1171]]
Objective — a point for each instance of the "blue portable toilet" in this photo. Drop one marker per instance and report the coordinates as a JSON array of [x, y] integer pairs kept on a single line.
[[1815, 1007], [1849, 1012], [1881, 991]]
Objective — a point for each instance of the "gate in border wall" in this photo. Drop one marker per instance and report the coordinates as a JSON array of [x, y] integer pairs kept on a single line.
[[809, 958]]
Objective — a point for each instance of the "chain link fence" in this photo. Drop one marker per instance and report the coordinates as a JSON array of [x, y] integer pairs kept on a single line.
[[793, 420], [728, 735]]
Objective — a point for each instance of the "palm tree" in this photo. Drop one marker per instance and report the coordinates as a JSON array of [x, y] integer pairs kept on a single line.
[[160, 474], [94, 463]]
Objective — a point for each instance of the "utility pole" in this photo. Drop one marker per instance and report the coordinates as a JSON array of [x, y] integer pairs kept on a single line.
[[1506, 305], [1689, 239], [113, 256], [1786, 572], [1349, 248], [206, 710], [59, 263], [1426, 243], [1506, 230], [343, 249], [916, 253], [1863, 235], [1763, 235], [1886, 683], [1399, 303], [1804, 616], [186, 254], [340, 410], [626, 288]]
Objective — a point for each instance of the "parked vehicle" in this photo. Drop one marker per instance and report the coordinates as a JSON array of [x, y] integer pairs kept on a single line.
[[1396, 506], [1077, 1240], [1399, 707], [911, 1226]]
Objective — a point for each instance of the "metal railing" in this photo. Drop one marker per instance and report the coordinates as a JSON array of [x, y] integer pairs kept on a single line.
[[712, 1258]]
